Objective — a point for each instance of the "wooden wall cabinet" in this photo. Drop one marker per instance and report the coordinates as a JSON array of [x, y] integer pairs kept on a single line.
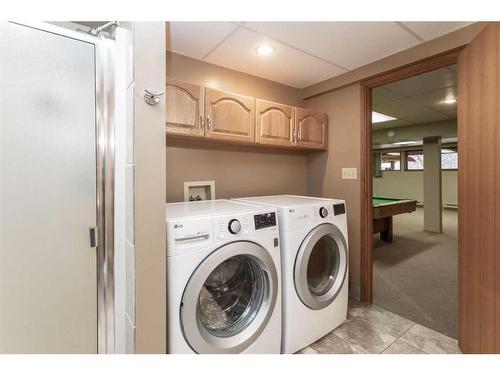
[[184, 109], [229, 116], [199, 112], [274, 124], [311, 129]]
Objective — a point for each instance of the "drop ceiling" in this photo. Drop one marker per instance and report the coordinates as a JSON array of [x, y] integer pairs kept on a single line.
[[305, 52], [417, 100]]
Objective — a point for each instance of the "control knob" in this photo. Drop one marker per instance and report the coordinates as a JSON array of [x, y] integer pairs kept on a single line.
[[323, 212], [234, 226]]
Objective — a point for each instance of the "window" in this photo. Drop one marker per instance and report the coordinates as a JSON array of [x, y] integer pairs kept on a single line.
[[391, 161], [415, 160], [449, 158]]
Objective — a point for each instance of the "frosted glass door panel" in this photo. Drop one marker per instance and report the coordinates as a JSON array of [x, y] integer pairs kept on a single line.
[[48, 284]]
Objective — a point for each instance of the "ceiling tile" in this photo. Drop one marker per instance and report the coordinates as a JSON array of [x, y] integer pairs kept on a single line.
[[430, 81], [424, 118], [196, 39], [383, 95], [401, 108], [434, 100], [431, 30], [348, 44], [390, 124], [285, 65]]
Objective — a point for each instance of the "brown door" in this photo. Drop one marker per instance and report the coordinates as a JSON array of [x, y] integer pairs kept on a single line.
[[275, 124], [184, 108], [229, 116], [311, 128], [479, 188]]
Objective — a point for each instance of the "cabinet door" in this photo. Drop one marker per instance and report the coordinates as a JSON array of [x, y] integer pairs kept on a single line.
[[275, 124], [310, 128], [229, 116], [184, 108]]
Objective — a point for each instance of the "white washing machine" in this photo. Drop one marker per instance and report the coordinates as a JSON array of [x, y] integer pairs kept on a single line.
[[224, 278], [314, 266]]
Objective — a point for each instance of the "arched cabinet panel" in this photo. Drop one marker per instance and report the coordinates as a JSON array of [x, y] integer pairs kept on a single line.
[[184, 108], [311, 128], [229, 116], [274, 124]]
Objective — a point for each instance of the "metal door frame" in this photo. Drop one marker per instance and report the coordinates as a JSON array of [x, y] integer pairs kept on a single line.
[[104, 52]]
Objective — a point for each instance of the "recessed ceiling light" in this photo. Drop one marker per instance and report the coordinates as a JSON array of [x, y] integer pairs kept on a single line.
[[450, 100], [393, 153], [380, 117], [404, 143], [265, 50]]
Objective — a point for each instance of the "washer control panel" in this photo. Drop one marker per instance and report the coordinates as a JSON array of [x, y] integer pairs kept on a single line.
[[244, 226], [265, 220]]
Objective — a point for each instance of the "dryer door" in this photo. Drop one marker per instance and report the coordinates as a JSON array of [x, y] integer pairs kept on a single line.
[[321, 266], [229, 299]]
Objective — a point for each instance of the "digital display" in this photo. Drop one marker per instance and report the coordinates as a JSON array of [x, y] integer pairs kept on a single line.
[[265, 220], [339, 209]]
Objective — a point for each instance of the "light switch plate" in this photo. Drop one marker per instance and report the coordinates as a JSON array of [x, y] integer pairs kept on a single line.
[[349, 173]]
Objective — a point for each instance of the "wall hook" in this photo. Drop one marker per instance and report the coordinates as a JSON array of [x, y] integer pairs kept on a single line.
[[152, 97]]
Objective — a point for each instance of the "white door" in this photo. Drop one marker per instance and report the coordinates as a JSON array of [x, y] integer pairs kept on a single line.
[[48, 286]]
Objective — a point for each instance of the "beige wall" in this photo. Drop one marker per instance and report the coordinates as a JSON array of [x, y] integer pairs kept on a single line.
[[237, 170], [324, 170], [403, 184], [149, 195]]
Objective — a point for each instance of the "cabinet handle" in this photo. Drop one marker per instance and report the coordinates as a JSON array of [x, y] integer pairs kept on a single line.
[[202, 122], [300, 134], [293, 135], [208, 123]]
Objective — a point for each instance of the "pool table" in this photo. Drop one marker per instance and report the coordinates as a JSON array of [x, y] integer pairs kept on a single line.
[[383, 211]]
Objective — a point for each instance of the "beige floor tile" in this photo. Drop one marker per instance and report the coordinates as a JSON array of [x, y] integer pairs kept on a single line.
[[430, 341], [332, 344], [356, 307], [385, 321], [401, 347], [307, 350], [364, 336]]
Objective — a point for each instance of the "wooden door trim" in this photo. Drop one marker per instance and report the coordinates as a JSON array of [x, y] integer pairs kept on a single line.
[[366, 224]]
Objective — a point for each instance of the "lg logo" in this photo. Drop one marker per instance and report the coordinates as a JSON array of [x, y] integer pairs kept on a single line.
[[177, 226]]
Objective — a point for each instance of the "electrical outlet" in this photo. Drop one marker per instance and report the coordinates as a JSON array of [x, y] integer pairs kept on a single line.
[[349, 173]]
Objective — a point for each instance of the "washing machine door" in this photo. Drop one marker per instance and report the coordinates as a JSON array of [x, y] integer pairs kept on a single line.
[[321, 266], [229, 299]]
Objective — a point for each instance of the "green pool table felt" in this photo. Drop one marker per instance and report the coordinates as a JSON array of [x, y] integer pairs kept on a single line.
[[379, 201]]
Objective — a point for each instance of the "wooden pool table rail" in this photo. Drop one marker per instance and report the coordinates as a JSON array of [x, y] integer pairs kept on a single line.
[[383, 213]]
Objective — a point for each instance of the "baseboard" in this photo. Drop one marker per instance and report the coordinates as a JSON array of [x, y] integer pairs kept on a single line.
[[354, 291]]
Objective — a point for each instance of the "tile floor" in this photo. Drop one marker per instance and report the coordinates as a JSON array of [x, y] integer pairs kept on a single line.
[[371, 329]]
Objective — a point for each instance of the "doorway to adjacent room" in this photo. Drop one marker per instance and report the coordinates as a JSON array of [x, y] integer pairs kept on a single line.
[[415, 200]]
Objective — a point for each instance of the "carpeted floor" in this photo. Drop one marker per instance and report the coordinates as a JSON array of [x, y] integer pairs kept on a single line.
[[415, 276]]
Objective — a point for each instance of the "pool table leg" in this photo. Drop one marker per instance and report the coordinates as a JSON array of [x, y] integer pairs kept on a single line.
[[386, 234]]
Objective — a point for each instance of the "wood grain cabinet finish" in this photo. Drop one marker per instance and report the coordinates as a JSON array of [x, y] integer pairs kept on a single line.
[[311, 129], [274, 123], [229, 116], [184, 108]]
